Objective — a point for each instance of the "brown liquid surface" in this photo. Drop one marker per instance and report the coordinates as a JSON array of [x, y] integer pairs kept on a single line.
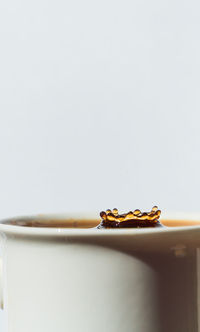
[[135, 219], [84, 223]]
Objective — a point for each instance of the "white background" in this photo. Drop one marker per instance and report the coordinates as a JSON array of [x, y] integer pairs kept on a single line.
[[99, 105]]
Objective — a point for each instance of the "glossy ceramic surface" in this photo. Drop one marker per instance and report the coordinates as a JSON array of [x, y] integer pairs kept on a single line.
[[85, 280]]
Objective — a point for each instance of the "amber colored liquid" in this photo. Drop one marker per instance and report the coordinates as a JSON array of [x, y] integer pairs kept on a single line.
[[53, 223], [85, 223], [132, 219]]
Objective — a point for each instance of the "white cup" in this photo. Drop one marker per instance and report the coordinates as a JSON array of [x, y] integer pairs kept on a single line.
[[89, 280]]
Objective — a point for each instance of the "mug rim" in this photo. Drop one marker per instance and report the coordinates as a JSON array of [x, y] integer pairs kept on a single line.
[[7, 228]]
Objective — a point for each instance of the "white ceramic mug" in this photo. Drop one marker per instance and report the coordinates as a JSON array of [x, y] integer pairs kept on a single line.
[[88, 280]]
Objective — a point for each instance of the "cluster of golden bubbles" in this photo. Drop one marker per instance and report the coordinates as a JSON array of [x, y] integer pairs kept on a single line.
[[137, 215]]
